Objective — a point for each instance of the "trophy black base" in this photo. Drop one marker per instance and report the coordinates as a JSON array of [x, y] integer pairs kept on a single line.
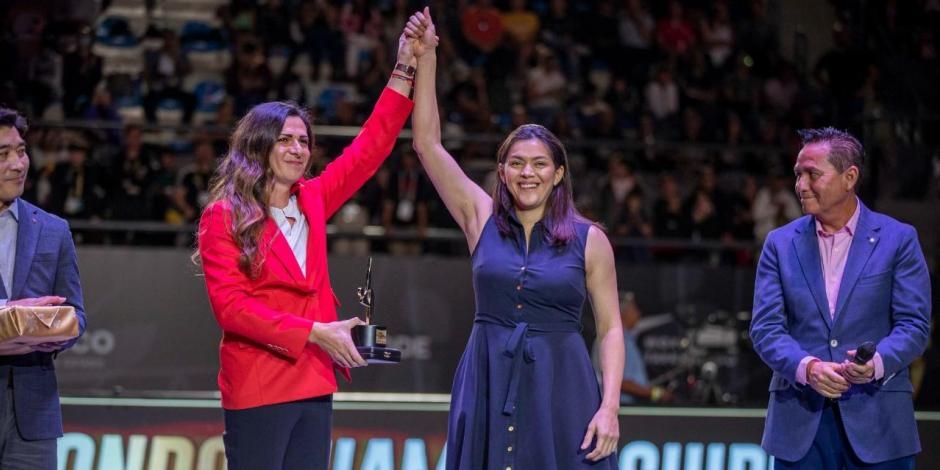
[[379, 354], [371, 343]]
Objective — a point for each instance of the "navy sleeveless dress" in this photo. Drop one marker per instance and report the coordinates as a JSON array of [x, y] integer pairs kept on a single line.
[[525, 391]]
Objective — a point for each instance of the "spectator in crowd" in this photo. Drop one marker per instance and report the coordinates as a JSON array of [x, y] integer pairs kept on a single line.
[[594, 117], [43, 156], [131, 176], [668, 213], [470, 101], [636, 223], [521, 24], [194, 179], [82, 71], [405, 205], [482, 26], [163, 192], [625, 100], [165, 70], [546, 88], [316, 29], [662, 95], [79, 186], [620, 179], [361, 24], [248, 79], [561, 34], [774, 206], [102, 109], [704, 206], [636, 28], [697, 86], [674, 33], [843, 71], [718, 35], [44, 76], [757, 37]]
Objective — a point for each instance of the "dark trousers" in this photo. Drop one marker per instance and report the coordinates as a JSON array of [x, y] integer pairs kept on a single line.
[[831, 450], [287, 436], [17, 453]]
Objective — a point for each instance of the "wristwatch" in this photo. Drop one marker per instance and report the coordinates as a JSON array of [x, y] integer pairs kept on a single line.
[[406, 69]]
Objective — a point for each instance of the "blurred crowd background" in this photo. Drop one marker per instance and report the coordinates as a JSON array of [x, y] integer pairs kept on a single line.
[[679, 115]]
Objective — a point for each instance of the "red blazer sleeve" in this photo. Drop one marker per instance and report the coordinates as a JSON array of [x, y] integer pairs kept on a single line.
[[235, 299], [361, 159]]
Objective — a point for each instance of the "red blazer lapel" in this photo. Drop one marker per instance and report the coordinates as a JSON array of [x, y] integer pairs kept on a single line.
[[316, 236], [281, 251]]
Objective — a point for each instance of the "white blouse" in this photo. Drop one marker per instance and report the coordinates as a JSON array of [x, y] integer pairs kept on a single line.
[[295, 234]]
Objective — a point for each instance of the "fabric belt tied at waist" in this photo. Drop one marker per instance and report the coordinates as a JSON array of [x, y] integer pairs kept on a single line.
[[517, 348]]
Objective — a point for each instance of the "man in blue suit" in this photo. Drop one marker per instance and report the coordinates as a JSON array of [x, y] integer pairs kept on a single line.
[[826, 283], [37, 267]]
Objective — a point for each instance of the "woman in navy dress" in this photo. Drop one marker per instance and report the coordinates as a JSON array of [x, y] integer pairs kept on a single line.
[[525, 394]]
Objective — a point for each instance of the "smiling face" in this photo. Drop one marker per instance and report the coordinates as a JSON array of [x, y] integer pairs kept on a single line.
[[290, 156], [530, 175], [824, 192], [14, 164]]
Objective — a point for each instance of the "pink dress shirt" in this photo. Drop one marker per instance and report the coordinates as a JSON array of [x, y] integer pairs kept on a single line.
[[834, 252]]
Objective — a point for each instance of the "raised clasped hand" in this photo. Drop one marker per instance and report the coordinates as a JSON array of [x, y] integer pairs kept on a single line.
[[420, 30]]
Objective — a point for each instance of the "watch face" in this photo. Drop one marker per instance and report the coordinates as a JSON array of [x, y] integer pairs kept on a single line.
[[405, 68]]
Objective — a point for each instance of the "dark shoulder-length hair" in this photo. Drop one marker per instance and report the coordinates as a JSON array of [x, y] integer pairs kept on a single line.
[[244, 178], [560, 212]]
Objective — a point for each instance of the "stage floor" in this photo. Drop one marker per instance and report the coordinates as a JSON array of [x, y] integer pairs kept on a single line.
[[176, 431]]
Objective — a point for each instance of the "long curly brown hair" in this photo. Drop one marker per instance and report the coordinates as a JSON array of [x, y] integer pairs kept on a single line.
[[244, 178]]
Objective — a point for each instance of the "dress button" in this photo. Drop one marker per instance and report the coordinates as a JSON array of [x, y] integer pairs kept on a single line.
[[518, 286], [833, 343], [511, 428], [523, 268], [509, 449], [508, 468], [519, 306]]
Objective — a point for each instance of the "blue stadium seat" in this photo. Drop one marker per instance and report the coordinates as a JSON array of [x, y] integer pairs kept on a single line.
[[115, 31], [209, 95], [169, 111], [196, 36]]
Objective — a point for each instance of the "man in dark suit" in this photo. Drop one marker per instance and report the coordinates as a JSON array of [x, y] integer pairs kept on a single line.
[[37, 268], [827, 282]]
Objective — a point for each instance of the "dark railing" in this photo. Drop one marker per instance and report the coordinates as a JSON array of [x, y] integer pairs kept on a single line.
[[441, 241]]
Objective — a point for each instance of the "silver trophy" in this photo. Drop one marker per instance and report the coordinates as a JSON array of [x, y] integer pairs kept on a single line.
[[372, 340]]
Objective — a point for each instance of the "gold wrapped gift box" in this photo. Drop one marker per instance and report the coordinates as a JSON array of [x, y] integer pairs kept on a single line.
[[23, 327]]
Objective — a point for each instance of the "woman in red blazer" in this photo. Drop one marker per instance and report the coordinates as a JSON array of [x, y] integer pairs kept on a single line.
[[262, 245]]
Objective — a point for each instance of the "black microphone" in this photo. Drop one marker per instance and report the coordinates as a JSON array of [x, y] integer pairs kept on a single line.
[[864, 353]]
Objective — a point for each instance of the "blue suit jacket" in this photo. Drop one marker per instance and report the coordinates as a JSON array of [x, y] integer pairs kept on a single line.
[[45, 264], [884, 297]]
